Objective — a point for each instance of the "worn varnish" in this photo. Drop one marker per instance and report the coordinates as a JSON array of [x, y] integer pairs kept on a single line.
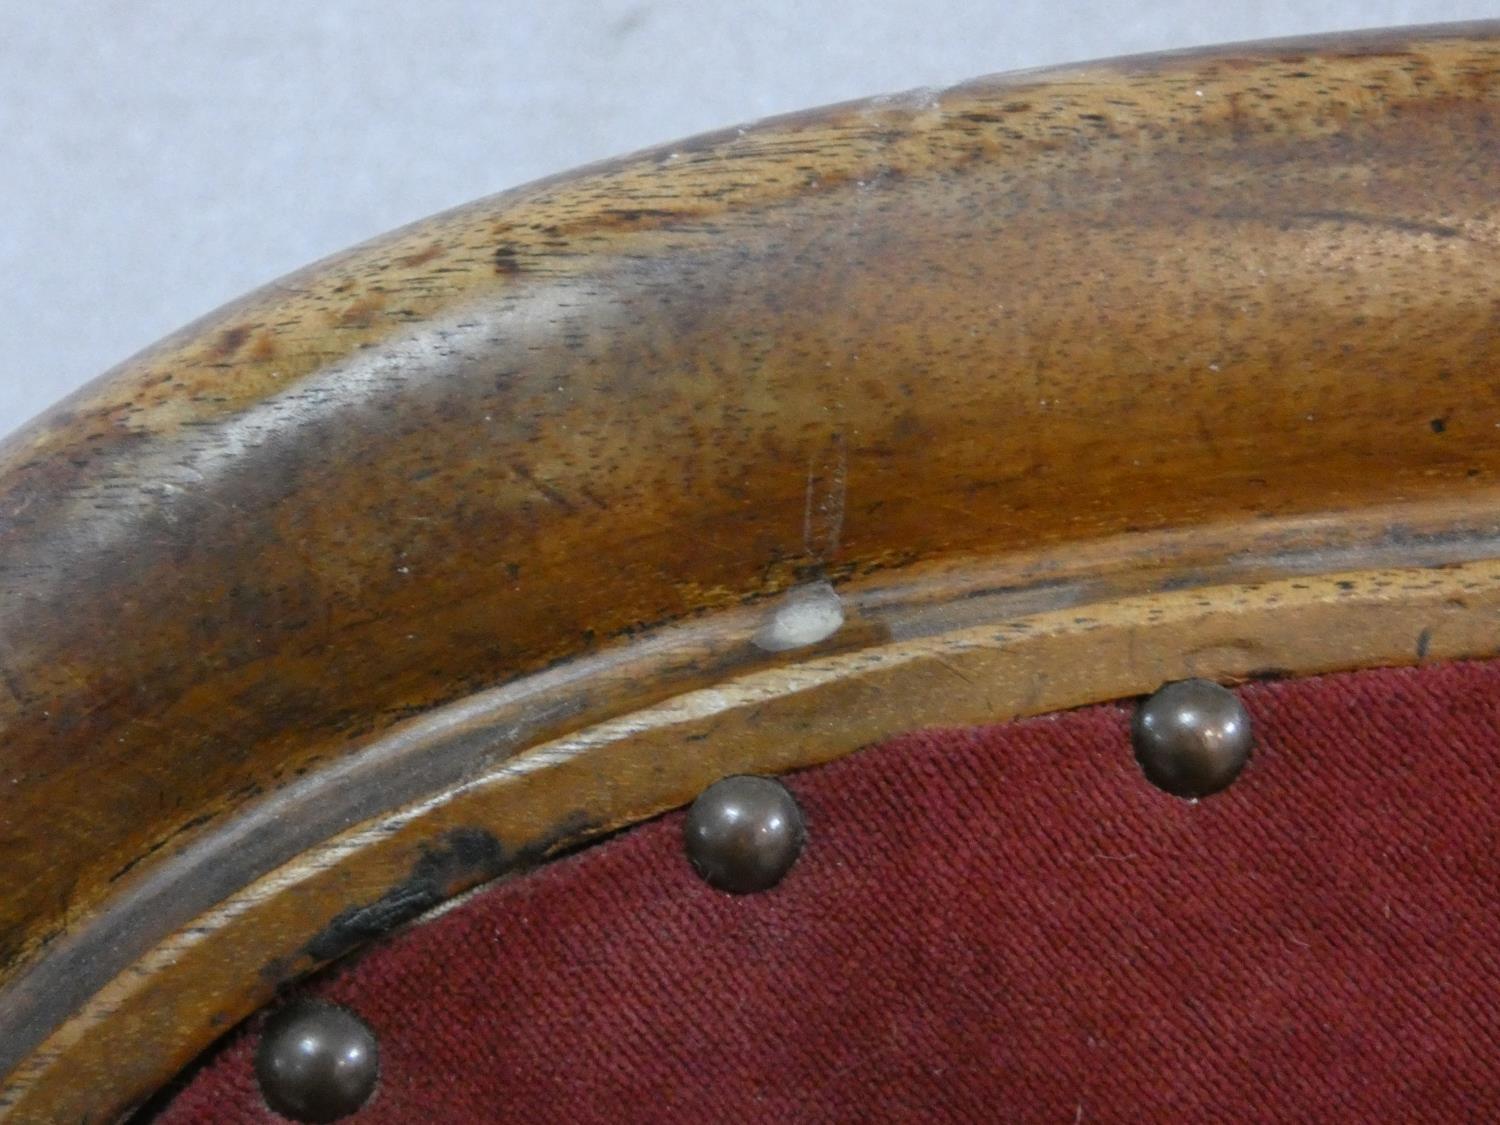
[[1055, 344]]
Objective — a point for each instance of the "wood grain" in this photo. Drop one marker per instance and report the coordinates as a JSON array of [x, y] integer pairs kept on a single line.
[[203, 978], [1046, 341]]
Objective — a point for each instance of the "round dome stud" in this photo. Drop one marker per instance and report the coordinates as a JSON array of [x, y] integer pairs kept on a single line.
[[1192, 737], [316, 1062], [743, 833]]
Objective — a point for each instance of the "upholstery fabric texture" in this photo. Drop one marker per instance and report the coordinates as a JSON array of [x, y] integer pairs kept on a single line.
[[1004, 923]]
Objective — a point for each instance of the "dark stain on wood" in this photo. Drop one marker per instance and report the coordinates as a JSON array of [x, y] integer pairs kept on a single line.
[[462, 859], [231, 340], [507, 260]]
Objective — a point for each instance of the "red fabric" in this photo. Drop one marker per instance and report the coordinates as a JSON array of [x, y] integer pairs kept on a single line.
[[1004, 923]]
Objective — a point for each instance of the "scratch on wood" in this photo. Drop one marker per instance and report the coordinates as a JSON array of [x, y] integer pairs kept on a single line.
[[827, 488]]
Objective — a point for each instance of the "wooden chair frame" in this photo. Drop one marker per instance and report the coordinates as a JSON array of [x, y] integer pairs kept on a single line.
[[529, 521]]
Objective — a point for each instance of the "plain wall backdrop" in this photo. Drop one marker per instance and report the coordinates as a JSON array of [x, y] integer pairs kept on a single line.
[[164, 156]]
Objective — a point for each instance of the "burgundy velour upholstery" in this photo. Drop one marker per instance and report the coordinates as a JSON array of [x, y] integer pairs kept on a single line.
[[1005, 923]]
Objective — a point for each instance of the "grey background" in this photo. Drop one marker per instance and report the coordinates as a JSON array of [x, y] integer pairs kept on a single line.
[[164, 156]]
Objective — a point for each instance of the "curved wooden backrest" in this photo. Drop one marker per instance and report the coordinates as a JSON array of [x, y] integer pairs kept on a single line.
[[529, 520]]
